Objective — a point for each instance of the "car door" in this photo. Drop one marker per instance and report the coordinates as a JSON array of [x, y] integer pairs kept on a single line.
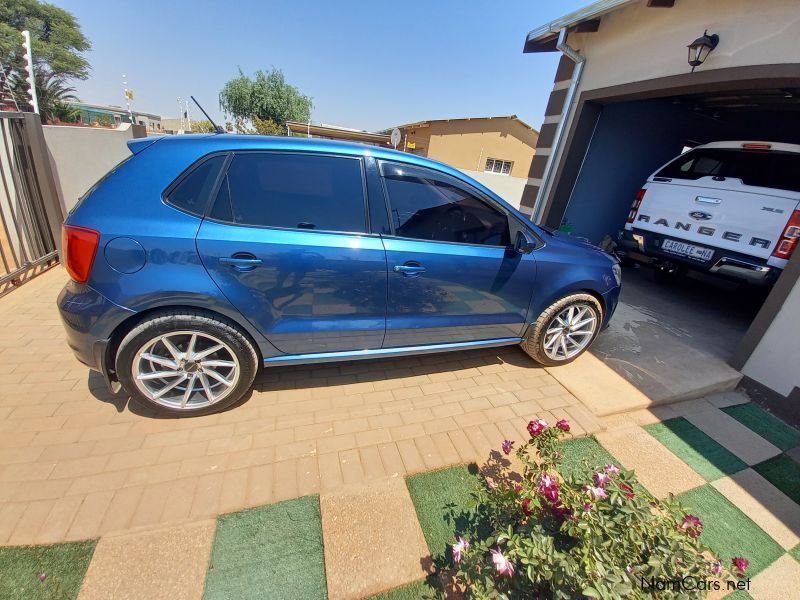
[[453, 275], [286, 241]]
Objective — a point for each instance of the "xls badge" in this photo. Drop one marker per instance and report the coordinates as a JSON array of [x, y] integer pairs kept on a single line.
[[699, 215]]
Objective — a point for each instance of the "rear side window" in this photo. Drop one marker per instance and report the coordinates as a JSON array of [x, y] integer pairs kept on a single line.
[[779, 170], [293, 191], [426, 205], [192, 192]]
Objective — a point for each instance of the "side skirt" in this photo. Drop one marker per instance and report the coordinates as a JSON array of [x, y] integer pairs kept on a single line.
[[385, 352]]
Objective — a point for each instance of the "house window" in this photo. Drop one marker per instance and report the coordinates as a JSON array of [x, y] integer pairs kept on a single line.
[[494, 165]]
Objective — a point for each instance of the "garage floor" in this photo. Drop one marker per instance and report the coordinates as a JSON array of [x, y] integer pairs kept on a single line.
[[672, 340]]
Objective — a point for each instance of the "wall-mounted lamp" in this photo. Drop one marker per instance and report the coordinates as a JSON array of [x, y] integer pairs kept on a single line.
[[701, 48]]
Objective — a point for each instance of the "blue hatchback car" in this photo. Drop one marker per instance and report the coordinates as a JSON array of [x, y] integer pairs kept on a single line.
[[201, 258]]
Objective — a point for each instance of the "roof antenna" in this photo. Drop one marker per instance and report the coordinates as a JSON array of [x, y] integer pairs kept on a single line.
[[217, 128]]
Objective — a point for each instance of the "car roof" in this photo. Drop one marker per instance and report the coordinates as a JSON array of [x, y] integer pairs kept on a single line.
[[741, 145], [232, 142]]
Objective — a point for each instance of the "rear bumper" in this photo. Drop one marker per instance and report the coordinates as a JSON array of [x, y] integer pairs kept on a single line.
[[643, 247], [89, 318]]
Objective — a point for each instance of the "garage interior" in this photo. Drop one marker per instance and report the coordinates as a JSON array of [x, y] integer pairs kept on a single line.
[[679, 334]]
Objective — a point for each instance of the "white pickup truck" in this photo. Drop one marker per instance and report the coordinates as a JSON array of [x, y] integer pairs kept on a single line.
[[728, 208]]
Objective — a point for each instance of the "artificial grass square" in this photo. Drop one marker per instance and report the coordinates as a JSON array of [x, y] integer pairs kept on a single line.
[[439, 494], [795, 552], [704, 455], [419, 590], [582, 455], [728, 531], [64, 566], [782, 472], [767, 425], [272, 551]]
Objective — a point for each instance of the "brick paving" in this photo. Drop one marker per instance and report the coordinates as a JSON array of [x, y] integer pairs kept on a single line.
[[78, 462]]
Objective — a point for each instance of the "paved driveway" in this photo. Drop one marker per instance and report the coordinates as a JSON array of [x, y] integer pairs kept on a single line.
[[77, 461]]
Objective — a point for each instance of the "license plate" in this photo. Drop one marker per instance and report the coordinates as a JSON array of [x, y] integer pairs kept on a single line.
[[688, 250]]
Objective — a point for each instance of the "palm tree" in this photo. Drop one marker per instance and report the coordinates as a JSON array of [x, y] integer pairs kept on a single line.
[[52, 93]]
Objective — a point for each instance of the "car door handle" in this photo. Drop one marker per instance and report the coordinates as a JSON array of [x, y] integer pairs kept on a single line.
[[409, 270], [241, 261]]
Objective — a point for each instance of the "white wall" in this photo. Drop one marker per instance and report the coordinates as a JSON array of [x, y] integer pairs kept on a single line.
[[774, 362], [80, 156], [507, 187]]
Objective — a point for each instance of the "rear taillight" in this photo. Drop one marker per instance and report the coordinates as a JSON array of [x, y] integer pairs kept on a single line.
[[79, 246], [791, 235], [756, 146], [636, 204]]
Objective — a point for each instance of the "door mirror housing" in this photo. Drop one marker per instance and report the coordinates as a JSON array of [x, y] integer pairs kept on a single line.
[[521, 244]]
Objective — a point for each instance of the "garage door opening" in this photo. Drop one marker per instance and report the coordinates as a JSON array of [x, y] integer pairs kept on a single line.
[[672, 336]]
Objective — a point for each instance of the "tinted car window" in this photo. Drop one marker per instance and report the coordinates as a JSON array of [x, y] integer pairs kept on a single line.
[[427, 205], [295, 191], [191, 193], [779, 170]]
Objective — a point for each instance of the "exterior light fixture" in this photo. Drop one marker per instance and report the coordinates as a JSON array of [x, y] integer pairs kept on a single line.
[[701, 48]]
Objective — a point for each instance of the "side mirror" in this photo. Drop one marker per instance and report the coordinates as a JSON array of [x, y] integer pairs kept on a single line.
[[521, 244]]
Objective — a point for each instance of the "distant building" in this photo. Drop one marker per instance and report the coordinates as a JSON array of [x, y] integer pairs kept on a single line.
[[111, 115], [497, 151], [332, 132]]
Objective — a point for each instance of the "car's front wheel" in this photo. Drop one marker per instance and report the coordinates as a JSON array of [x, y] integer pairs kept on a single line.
[[186, 363], [564, 330]]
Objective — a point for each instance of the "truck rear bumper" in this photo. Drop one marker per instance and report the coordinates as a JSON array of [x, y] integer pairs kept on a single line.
[[638, 246]]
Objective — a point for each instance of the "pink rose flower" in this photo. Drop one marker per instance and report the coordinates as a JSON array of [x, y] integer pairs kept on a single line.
[[526, 507], [548, 487], [601, 479], [596, 493], [611, 469], [460, 546], [692, 525], [507, 445], [563, 425], [536, 427], [42, 577], [715, 567], [587, 507], [741, 564], [501, 564]]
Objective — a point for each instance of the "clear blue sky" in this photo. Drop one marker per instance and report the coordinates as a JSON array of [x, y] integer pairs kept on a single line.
[[367, 64]]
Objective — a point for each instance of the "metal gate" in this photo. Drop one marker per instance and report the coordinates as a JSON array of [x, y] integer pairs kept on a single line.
[[30, 211]]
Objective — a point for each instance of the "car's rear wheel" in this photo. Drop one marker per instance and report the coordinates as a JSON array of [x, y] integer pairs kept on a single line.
[[564, 330], [186, 363]]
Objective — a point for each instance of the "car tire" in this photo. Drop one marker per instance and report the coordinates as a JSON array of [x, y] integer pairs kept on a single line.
[[541, 333], [206, 363]]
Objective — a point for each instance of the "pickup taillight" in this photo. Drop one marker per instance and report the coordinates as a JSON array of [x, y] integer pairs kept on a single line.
[[79, 246], [637, 202], [788, 241]]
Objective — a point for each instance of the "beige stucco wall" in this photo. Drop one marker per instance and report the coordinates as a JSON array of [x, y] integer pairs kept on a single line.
[[638, 43], [507, 187], [82, 155], [467, 143], [774, 361]]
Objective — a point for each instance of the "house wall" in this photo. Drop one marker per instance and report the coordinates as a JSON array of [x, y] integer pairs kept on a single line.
[[640, 43], [80, 156], [774, 360]]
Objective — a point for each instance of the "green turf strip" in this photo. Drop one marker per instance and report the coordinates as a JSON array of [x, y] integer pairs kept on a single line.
[[782, 472], [272, 551], [583, 455], [728, 531], [795, 552], [708, 458], [419, 590], [63, 565], [768, 426]]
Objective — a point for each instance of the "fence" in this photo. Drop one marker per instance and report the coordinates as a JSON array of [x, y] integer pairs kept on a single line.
[[30, 211]]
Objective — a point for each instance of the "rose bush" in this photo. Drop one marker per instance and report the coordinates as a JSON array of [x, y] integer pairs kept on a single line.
[[597, 534]]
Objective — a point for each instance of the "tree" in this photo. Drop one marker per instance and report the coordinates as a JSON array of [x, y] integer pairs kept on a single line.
[[266, 97], [57, 43], [53, 93], [202, 127]]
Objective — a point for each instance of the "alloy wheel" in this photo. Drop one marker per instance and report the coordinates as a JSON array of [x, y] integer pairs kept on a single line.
[[186, 370], [570, 331]]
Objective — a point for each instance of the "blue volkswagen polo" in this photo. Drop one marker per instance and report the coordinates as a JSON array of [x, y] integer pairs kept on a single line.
[[200, 259]]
